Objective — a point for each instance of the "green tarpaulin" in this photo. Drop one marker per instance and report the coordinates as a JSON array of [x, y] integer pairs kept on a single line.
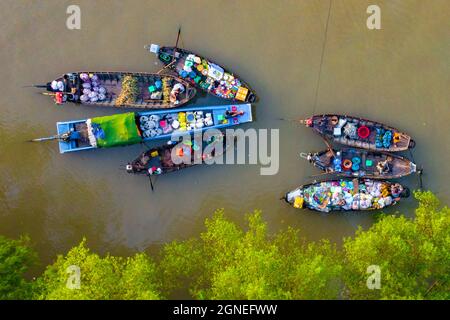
[[115, 130]]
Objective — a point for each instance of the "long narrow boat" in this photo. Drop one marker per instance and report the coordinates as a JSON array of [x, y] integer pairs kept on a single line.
[[205, 74], [136, 127], [347, 195], [121, 89], [353, 162], [359, 133], [173, 157]]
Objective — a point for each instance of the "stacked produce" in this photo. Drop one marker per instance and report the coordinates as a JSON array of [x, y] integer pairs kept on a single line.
[[383, 138], [130, 91], [166, 89], [356, 194], [92, 91], [178, 121], [211, 77]]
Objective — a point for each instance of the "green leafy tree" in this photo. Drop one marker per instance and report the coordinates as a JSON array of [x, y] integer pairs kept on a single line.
[[100, 278], [15, 259], [226, 262], [413, 255]]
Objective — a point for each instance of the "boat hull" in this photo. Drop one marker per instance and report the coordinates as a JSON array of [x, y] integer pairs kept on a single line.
[[207, 75], [353, 162], [346, 195], [84, 136], [148, 96], [359, 133], [167, 158]]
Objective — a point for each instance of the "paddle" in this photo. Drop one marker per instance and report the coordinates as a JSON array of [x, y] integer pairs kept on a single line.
[[174, 52], [292, 120], [151, 183], [176, 43], [420, 173], [36, 86], [320, 174]]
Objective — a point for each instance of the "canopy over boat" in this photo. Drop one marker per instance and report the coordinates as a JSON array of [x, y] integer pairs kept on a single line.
[[205, 74], [176, 156], [353, 162], [346, 195], [121, 89], [360, 133], [135, 127]]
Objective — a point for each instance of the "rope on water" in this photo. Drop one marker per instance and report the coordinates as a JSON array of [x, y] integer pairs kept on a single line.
[[321, 58]]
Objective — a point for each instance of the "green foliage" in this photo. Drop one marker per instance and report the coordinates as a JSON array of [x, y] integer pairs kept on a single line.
[[101, 278], [413, 255], [228, 262], [15, 258]]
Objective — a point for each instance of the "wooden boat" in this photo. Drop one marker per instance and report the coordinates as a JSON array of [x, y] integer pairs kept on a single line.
[[346, 195], [205, 74], [121, 90], [353, 162], [177, 156], [136, 127], [359, 133]]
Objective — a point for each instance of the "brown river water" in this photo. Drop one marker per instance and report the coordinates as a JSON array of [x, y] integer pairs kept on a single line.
[[398, 75]]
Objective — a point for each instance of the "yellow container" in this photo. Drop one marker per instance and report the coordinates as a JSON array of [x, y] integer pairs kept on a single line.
[[154, 154], [242, 93], [298, 202]]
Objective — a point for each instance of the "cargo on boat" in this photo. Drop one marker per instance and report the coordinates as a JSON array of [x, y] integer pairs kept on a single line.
[[359, 133], [354, 162], [136, 127], [121, 90], [346, 195], [204, 74], [174, 156]]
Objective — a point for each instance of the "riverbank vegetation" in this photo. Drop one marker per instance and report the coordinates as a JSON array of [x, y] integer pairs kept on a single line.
[[228, 262]]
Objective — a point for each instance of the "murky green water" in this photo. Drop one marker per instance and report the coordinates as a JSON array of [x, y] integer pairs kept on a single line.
[[398, 75]]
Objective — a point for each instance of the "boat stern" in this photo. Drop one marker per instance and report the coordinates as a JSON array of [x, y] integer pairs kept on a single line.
[[247, 116], [64, 146], [413, 167]]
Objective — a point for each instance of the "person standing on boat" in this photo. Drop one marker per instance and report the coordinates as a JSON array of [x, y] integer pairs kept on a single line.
[[232, 114]]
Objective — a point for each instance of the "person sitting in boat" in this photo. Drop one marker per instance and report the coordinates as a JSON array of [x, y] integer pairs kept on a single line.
[[383, 166], [60, 98], [176, 91], [232, 114], [396, 190]]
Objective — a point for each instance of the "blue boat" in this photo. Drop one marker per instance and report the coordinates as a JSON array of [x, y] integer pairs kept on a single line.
[[136, 127]]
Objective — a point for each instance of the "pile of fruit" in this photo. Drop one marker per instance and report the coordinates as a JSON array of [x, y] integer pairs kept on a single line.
[[166, 89], [130, 91]]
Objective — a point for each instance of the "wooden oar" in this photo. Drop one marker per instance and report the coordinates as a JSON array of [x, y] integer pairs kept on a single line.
[[166, 66], [151, 183], [173, 55], [320, 174], [36, 86], [176, 43], [301, 121], [329, 146]]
